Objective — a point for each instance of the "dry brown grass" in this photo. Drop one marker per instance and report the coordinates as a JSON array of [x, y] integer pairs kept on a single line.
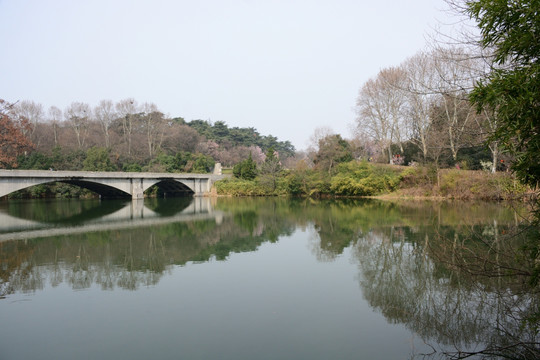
[[460, 184]]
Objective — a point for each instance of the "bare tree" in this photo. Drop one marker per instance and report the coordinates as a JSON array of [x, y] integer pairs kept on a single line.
[[419, 98], [77, 115], [105, 114], [127, 110], [180, 137], [380, 107], [319, 134], [487, 122], [154, 125], [54, 116], [455, 78]]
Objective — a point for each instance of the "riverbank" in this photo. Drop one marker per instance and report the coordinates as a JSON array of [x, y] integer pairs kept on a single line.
[[361, 179]]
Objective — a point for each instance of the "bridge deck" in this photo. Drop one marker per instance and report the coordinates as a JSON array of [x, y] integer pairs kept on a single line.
[[104, 174]]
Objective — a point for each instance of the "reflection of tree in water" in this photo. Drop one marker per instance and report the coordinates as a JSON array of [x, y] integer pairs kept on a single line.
[[445, 305], [164, 207], [131, 258], [330, 238], [64, 211], [17, 270], [410, 257]]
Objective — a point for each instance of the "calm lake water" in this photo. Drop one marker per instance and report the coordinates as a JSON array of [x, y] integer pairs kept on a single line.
[[248, 279]]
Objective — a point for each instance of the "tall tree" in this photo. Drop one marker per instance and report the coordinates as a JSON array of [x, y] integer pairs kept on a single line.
[[128, 109], [270, 169], [154, 126], [105, 114], [380, 107], [78, 116], [33, 112], [512, 30], [54, 116], [453, 67], [333, 149], [419, 99]]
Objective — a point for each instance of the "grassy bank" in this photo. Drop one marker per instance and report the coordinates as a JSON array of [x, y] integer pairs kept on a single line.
[[360, 179]]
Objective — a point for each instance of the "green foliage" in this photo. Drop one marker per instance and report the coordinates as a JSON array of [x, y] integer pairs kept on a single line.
[[182, 161], [239, 187], [512, 31], [296, 184], [59, 190], [366, 179], [306, 182], [333, 150], [255, 187], [270, 170], [34, 161], [363, 179], [64, 159], [432, 173], [471, 158], [98, 159], [202, 164], [133, 167], [246, 169]]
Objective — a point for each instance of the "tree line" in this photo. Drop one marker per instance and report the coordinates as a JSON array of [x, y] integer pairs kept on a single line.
[[125, 135], [420, 111]]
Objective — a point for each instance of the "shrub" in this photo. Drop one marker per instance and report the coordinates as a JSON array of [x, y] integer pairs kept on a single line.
[[34, 161], [98, 159], [246, 169], [239, 187], [203, 163], [363, 179], [132, 167]]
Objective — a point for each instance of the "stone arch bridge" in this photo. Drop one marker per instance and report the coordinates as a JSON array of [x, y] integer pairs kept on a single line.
[[111, 184]]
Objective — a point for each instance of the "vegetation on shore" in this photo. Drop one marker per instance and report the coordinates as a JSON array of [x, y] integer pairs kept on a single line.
[[364, 179]]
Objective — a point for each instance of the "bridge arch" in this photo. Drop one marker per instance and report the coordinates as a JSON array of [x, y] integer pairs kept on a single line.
[[172, 187], [168, 187], [101, 189], [109, 188]]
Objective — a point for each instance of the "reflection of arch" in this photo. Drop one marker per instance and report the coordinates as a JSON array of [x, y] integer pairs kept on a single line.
[[134, 214], [61, 211], [166, 207]]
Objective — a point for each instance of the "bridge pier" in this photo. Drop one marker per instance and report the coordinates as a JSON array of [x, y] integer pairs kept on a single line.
[[137, 189]]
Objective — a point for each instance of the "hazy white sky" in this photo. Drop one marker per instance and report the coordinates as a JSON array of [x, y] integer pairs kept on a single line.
[[283, 67]]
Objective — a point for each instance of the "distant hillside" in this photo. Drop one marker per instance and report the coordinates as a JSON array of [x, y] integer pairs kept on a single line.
[[235, 136]]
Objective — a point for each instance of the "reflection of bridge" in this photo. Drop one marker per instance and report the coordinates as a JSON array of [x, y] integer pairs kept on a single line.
[[110, 184], [134, 214]]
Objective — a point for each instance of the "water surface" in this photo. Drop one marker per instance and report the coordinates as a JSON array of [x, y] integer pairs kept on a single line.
[[246, 279]]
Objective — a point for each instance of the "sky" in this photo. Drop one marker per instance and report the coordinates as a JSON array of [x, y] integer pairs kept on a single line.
[[283, 67]]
